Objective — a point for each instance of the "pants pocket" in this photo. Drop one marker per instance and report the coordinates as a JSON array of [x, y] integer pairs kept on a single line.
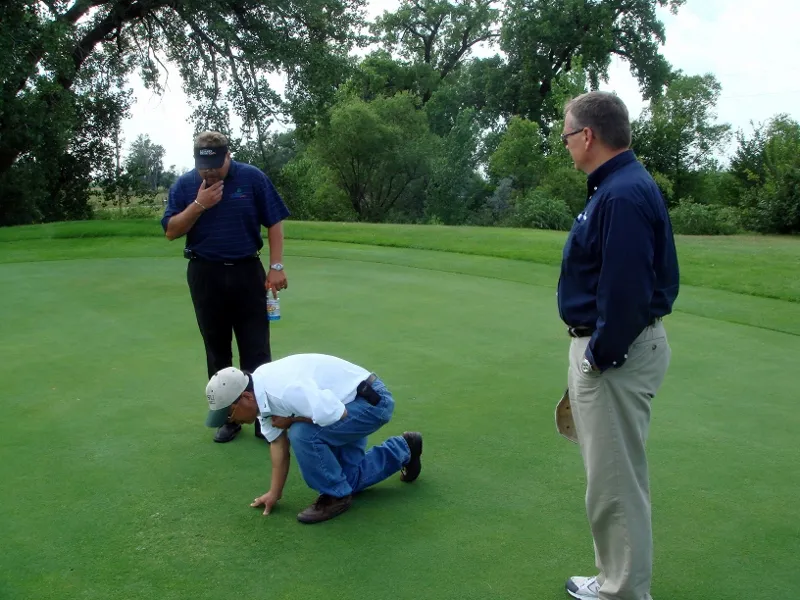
[[643, 352]]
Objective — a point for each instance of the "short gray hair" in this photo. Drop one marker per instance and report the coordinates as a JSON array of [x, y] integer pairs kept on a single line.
[[605, 114], [210, 139]]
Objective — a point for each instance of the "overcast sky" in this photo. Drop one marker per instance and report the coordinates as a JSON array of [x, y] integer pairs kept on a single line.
[[752, 48]]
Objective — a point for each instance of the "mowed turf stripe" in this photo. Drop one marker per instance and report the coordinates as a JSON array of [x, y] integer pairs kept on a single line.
[[732, 307], [764, 266]]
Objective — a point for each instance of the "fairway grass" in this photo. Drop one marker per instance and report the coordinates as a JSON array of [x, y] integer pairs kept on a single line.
[[113, 489]]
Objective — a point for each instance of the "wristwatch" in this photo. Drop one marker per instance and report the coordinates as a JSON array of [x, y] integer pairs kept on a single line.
[[587, 367], [276, 267]]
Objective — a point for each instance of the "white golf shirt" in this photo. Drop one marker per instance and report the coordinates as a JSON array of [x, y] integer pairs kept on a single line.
[[315, 386]]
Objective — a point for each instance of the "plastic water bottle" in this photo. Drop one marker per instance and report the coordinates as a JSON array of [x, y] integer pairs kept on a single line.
[[273, 307]]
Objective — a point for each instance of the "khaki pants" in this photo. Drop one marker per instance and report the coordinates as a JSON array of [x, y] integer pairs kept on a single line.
[[612, 421]]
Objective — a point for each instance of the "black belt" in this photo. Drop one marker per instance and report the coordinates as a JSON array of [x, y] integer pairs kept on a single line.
[[190, 255], [367, 392], [579, 332], [586, 331]]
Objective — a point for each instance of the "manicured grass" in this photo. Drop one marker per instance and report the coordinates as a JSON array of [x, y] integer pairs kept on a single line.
[[112, 488], [764, 266]]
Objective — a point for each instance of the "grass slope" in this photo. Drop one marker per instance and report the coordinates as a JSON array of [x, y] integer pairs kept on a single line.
[[764, 266], [727, 306]]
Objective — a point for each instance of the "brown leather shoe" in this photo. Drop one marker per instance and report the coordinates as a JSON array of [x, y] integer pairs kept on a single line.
[[325, 507]]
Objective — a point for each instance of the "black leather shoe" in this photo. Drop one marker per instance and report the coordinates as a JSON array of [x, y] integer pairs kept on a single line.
[[411, 469], [227, 432]]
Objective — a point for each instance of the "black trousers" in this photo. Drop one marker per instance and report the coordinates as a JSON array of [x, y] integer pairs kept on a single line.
[[228, 300]]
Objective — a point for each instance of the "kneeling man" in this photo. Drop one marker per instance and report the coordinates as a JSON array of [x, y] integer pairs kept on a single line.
[[325, 407]]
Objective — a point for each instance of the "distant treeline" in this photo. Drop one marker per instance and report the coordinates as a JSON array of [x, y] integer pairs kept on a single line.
[[418, 130]]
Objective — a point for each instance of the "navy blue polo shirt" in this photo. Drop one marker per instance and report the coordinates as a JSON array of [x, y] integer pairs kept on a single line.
[[231, 229], [619, 269]]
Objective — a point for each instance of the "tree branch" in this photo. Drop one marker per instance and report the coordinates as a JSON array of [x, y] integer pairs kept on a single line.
[[115, 18], [80, 8]]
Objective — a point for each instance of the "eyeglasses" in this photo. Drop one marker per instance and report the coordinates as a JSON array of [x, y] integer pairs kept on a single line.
[[565, 136]]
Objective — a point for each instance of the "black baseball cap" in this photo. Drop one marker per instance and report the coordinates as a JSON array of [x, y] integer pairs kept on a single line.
[[212, 157]]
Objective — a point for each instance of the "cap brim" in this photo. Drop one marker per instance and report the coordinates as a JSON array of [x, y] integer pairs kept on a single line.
[[217, 418], [209, 162]]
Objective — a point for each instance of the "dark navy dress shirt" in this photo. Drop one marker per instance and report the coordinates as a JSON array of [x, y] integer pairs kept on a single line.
[[619, 270], [231, 229]]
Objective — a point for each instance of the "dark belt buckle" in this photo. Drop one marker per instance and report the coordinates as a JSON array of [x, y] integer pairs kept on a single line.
[[367, 392]]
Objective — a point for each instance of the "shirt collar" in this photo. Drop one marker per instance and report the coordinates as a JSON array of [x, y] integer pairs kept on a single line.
[[600, 174], [232, 170]]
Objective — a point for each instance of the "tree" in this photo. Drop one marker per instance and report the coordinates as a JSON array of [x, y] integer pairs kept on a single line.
[[543, 38], [272, 154], [519, 155], [747, 164], [309, 188], [55, 52], [438, 33], [775, 206], [677, 135], [380, 152], [168, 178], [55, 140], [379, 74], [454, 188], [145, 162]]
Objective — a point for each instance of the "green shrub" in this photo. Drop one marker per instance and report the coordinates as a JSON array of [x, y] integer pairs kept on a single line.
[[310, 191], [568, 184], [538, 210], [691, 218], [775, 207]]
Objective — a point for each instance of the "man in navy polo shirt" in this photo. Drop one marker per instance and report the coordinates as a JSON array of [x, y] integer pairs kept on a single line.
[[220, 207], [619, 278]]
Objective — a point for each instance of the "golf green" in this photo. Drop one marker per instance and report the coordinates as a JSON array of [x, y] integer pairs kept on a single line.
[[112, 487]]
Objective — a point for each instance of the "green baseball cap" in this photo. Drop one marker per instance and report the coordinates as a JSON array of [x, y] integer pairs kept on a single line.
[[222, 390]]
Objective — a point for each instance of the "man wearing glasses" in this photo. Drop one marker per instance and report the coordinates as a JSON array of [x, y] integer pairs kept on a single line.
[[619, 277], [325, 407]]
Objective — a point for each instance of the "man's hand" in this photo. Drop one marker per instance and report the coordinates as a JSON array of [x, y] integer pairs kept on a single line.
[[180, 224], [282, 422], [276, 281], [209, 196], [268, 500]]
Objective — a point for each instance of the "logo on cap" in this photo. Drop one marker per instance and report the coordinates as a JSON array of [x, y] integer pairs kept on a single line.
[[207, 152]]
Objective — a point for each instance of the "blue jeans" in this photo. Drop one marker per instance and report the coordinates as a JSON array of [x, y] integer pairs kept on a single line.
[[333, 460]]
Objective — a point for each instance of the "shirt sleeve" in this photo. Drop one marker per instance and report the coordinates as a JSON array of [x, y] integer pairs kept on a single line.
[[307, 400], [626, 283], [271, 207], [176, 204], [268, 430]]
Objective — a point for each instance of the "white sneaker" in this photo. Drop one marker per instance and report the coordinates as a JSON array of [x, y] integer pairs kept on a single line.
[[583, 588]]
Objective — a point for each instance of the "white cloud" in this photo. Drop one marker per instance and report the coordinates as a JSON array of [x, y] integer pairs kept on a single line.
[[165, 119], [750, 46]]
